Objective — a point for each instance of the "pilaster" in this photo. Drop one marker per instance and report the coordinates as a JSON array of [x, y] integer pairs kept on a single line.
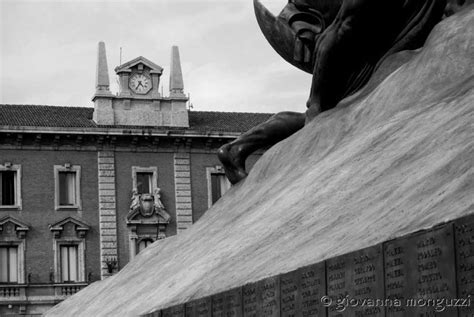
[[182, 180], [107, 210]]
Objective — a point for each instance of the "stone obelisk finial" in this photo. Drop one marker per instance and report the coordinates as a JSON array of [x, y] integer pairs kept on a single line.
[[102, 83], [103, 110], [176, 75]]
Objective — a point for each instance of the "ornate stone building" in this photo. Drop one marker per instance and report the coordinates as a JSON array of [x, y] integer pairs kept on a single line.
[[83, 190]]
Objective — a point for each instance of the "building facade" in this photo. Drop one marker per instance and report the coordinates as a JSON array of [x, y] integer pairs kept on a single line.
[[83, 190]]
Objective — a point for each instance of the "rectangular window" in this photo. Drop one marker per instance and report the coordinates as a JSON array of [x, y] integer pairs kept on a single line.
[[9, 264], [67, 184], [67, 189], [144, 182], [219, 185], [144, 179], [69, 263], [8, 188]]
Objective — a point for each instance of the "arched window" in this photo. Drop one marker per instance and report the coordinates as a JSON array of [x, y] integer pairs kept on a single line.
[[143, 244]]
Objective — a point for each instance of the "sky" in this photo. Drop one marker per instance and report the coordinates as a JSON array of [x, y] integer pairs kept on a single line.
[[49, 51]]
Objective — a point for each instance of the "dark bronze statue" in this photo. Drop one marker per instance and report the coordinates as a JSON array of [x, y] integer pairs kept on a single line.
[[341, 43]]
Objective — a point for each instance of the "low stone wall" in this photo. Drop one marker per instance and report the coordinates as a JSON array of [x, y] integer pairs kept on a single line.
[[427, 273]]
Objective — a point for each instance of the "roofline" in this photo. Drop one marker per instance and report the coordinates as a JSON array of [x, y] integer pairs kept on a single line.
[[166, 97], [119, 131]]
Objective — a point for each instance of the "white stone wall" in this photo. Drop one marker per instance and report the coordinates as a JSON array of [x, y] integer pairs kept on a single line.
[[141, 112], [103, 111]]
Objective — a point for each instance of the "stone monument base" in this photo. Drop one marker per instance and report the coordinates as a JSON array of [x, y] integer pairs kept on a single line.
[[426, 273]]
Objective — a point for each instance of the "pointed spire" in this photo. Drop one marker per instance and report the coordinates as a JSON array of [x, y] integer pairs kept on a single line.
[[102, 83], [176, 76]]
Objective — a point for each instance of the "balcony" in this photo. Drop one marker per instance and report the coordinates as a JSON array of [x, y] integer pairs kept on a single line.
[[8, 291], [68, 289], [45, 293]]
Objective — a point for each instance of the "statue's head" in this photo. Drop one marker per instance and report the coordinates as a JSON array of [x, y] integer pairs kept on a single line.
[[348, 52], [294, 31]]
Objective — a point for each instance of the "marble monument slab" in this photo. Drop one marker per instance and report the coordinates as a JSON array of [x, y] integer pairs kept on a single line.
[[464, 243], [420, 273]]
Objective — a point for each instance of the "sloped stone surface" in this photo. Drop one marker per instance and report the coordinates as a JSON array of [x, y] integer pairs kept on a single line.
[[390, 162]]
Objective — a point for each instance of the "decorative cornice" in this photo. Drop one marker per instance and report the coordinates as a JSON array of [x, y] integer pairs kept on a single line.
[[67, 140], [121, 131], [80, 227], [20, 227], [126, 67]]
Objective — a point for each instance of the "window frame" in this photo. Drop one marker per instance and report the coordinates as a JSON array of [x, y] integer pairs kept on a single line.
[[8, 167], [68, 246], [67, 168], [61, 237], [139, 169], [18, 265], [209, 172], [80, 243], [20, 245]]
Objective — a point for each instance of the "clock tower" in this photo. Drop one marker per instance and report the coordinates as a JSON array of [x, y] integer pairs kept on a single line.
[[139, 102], [139, 78]]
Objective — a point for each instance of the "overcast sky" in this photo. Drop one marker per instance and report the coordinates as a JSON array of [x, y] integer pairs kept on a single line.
[[49, 49]]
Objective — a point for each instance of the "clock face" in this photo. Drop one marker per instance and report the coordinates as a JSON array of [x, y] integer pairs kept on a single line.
[[140, 83]]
